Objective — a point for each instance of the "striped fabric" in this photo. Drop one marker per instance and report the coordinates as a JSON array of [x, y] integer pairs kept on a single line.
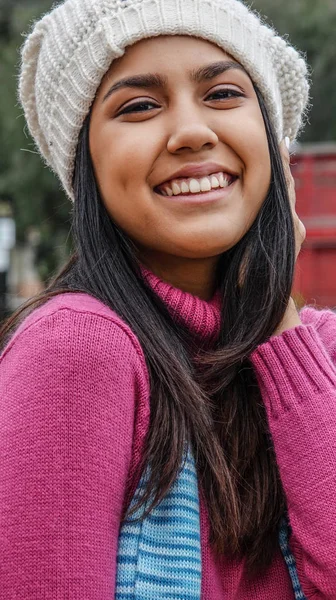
[[159, 557], [284, 535]]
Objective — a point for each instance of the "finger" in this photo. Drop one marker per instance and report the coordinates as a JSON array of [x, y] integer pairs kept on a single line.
[[291, 187], [284, 152], [288, 173], [285, 160], [300, 234], [299, 228], [302, 231]]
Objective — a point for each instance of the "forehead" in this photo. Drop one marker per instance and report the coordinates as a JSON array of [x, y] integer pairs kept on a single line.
[[166, 54]]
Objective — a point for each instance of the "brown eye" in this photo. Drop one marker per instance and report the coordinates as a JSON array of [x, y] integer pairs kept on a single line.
[[137, 107], [225, 94]]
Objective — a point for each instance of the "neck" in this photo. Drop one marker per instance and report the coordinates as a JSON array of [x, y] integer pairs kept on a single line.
[[195, 276]]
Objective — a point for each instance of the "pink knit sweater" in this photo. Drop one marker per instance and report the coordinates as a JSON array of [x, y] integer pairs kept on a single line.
[[74, 412]]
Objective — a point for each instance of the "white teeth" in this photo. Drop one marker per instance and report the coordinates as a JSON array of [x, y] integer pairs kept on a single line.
[[176, 189], [194, 186], [223, 181], [205, 184]]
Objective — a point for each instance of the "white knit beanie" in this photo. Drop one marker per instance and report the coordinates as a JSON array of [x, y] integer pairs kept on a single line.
[[70, 49]]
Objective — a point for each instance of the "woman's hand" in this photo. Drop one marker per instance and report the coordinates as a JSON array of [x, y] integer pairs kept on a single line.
[[291, 318], [300, 230]]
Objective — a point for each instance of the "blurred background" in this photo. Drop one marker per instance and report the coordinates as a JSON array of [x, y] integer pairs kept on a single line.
[[35, 236]]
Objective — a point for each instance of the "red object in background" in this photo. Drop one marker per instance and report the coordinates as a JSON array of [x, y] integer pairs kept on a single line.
[[314, 171]]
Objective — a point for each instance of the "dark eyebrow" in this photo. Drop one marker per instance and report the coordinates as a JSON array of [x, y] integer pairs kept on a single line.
[[215, 69], [154, 80]]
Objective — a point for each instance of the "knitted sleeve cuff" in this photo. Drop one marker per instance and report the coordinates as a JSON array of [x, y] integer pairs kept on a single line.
[[292, 367]]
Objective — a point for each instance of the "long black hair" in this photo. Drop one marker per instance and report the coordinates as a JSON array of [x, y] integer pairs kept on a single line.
[[214, 402]]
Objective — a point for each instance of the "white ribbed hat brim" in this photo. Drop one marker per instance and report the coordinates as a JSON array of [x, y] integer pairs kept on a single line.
[[70, 49]]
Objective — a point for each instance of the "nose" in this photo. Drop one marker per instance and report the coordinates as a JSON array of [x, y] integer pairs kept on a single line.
[[191, 133]]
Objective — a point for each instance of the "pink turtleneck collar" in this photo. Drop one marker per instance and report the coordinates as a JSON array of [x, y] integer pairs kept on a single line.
[[202, 317]]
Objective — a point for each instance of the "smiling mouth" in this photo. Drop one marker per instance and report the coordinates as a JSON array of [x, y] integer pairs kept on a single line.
[[191, 186]]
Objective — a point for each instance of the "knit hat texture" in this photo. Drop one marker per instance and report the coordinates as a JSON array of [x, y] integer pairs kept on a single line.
[[71, 48]]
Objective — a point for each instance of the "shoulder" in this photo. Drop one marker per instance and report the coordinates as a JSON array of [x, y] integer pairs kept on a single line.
[[77, 327], [74, 395], [324, 322]]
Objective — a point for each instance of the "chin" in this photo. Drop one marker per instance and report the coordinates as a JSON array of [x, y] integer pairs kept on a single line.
[[198, 252]]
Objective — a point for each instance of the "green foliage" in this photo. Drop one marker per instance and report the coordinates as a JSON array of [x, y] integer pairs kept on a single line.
[[311, 26], [35, 192], [37, 198]]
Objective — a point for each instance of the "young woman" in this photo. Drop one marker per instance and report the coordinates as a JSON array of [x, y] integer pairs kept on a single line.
[[168, 418]]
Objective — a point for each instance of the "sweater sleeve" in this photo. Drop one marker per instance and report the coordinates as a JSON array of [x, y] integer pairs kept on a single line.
[[297, 378], [68, 388]]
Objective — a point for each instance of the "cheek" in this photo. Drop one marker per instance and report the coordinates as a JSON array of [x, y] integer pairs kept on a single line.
[[254, 148], [121, 158], [127, 154], [121, 174], [248, 138], [251, 145]]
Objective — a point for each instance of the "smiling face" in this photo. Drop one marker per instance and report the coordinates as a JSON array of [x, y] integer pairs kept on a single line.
[[188, 112]]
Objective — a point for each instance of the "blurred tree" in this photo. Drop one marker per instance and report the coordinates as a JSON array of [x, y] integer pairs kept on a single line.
[[311, 27], [35, 192]]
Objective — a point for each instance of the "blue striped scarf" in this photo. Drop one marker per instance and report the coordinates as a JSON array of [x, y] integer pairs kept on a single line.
[[159, 557]]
